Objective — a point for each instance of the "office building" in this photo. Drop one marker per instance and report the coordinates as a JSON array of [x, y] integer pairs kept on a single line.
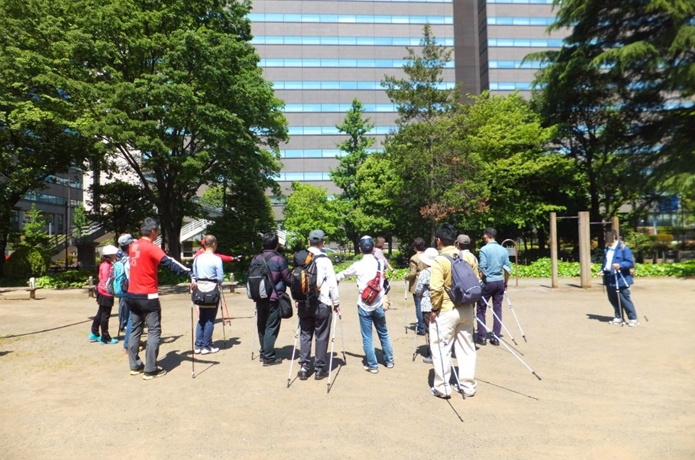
[[320, 55]]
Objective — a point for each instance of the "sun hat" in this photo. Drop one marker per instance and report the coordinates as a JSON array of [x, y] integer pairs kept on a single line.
[[428, 256]]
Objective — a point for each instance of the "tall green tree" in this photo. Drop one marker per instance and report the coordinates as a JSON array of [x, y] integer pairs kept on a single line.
[[618, 90], [435, 169], [309, 208], [248, 214], [524, 180], [171, 88], [38, 136], [356, 147], [122, 207]]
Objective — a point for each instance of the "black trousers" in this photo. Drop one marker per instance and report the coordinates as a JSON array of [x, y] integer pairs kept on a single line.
[[314, 321], [101, 319], [268, 323]]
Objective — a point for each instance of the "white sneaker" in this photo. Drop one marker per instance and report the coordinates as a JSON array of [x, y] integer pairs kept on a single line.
[[197, 351], [617, 321], [633, 323], [213, 350]]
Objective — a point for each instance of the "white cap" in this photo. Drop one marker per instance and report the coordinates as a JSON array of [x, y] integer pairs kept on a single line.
[[109, 250]]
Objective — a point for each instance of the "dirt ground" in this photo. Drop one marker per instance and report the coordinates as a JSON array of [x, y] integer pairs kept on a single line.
[[606, 391]]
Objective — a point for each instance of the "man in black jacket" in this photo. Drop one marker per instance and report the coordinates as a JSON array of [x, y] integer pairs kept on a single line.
[[267, 311]]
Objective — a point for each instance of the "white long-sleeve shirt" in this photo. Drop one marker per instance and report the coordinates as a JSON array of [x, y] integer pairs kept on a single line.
[[325, 277], [365, 270]]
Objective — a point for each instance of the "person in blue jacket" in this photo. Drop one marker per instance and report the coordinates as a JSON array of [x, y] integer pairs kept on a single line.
[[617, 277]]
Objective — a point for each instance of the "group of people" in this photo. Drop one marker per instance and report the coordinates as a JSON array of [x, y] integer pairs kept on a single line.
[[444, 323]]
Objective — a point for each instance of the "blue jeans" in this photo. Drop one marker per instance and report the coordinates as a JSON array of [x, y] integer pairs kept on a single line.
[[420, 329], [128, 327], [379, 319], [206, 324], [625, 302], [123, 313]]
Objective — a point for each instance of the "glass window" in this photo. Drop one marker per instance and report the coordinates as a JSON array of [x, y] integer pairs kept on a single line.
[[293, 107], [310, 62], [315, 176], [312, 153], [329, 18], [274, 17], [331, 85], [293, 176], [367, 19], [307, 18], [309, 40], [312, 130], [331, 153], [346, 18], [330, 62], [291, 17], [348, 63]]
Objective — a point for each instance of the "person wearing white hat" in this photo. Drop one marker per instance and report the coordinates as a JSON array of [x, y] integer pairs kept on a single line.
[[422, 289], [104, 299]]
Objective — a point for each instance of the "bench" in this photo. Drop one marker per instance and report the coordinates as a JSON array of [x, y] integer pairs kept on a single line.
[[231, 285], [32, 292]]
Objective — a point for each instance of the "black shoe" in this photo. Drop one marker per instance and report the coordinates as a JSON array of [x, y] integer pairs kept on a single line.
[[481, 342], [320, 374], [272, 362], [303, 373], [495, 342]]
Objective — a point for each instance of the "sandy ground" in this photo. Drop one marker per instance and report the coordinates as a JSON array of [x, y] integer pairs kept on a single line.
[[606, 391]]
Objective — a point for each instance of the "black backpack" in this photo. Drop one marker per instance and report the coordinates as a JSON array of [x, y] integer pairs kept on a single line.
[[465, 285], [259, 284], [305, 286]]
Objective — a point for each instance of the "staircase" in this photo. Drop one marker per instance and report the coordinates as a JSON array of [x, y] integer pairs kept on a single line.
[[89, 233], [190, 230]]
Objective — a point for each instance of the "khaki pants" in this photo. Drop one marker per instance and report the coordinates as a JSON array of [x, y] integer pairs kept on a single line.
[[455, 326]]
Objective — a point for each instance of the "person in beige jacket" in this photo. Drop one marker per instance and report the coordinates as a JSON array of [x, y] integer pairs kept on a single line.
[[449, 323], [416, 266]]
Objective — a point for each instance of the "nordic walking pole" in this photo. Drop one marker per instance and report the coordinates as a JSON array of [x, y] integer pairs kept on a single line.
[[441, 355], [415, 336], [625, 281], [500, 320], [509, 302], [617, 293], [224, 332], [342, 334], [330, 361], [509, 349], [405, 300], [294, 349], [456, 374], [255, 332], [192, 346]]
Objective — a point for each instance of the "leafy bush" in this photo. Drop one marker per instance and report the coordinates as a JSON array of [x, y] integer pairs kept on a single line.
[[26, 262], [68, 279]]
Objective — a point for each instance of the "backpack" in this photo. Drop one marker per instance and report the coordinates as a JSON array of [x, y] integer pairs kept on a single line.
[[465, 285], [117, 283], [305, 286], [374, 286], [259, 284]]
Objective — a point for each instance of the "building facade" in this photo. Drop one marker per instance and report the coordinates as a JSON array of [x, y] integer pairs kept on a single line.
[[322, 54]]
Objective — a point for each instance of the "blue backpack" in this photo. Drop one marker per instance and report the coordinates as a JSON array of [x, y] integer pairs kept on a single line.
[[465, 285], [117, 284]]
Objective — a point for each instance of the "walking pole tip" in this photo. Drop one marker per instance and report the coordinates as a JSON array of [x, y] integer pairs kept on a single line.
[[534, 373]]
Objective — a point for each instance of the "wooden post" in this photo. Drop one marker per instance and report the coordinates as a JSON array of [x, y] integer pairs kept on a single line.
[[553, 250], [615, 225], [584, 250]]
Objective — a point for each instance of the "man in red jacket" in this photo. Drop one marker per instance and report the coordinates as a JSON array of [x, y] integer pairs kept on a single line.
[[143, 297]]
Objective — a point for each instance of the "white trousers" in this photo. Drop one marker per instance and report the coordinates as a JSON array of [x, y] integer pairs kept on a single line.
[[455, 326]]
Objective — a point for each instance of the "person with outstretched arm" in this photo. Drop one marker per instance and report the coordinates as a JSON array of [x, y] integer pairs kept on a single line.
[[143, 298]]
